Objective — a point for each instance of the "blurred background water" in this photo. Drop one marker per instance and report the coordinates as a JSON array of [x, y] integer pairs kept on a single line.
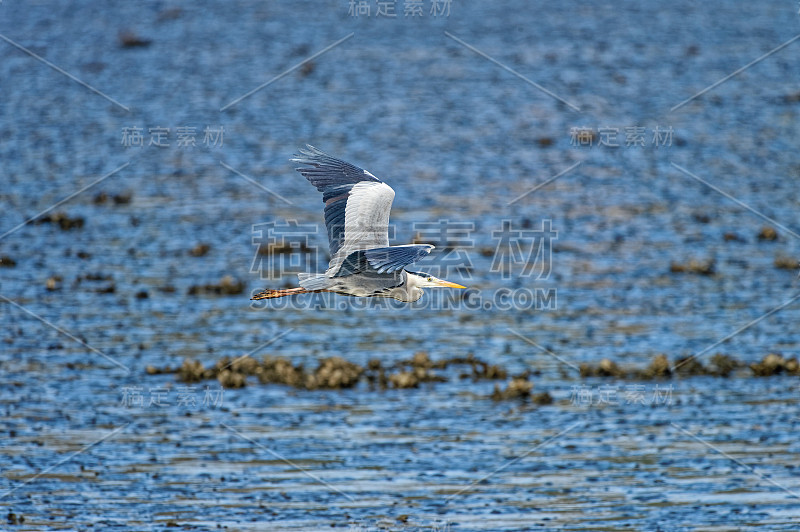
[[415, 100]]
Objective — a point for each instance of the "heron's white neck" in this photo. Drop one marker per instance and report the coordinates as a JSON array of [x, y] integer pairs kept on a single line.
[[414, 284]]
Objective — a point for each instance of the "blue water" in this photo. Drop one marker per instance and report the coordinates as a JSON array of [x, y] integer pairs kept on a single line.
[[460, 139]]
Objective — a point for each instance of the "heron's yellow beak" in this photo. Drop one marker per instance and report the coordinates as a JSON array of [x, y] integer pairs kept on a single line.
[[448, 284]]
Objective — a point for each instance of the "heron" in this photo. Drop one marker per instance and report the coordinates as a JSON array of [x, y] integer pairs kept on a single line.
[[362, 264]]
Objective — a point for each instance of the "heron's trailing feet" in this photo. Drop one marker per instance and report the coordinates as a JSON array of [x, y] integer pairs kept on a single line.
[[271, 294]]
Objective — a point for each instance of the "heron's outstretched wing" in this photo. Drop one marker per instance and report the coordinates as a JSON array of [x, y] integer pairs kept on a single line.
[[383, 260], [394, 258], [357, 204]]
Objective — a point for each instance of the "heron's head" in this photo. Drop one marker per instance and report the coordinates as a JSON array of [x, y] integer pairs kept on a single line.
[[425, 280]]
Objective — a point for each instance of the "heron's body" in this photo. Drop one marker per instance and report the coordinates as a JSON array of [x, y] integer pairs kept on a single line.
[[386, 285], [363, 264]]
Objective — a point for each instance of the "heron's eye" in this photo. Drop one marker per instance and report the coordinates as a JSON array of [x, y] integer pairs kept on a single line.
[[430, 279]]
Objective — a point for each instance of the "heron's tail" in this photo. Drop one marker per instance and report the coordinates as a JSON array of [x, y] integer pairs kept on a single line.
[[271, 294]]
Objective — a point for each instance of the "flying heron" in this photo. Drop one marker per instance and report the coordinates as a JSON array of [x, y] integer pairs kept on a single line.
[[363, 264]]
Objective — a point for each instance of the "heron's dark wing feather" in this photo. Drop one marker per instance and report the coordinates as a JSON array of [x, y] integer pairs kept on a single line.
[[383, 260], [357, 204], [354, 263], [394, 258], [328, 173]]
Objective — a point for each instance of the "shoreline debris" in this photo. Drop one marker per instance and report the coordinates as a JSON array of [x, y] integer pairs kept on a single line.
[[227, 286], [61, 219], [336, 373]]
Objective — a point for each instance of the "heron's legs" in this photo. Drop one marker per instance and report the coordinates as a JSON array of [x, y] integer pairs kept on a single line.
[[271, 294]]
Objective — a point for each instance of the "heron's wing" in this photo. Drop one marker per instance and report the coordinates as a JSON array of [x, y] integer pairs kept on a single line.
[[357, 204], [383, 260], [394, 258]]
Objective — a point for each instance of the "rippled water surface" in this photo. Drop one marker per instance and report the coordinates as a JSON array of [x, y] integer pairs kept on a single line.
[[90, 441]]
